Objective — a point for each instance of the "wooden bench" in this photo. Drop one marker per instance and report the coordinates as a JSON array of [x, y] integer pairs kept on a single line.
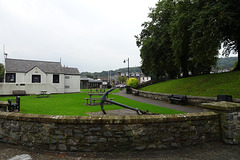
[[177, 98], [14, 104], [227, 98], [97, 90], [94, 100]]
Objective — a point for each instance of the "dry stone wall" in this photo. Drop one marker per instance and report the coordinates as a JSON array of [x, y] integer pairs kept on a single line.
[[191, 100], [230, 120], [109, 133]]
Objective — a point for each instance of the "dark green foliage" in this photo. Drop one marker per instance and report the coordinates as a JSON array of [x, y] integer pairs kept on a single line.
[[1, 72], [154, 40], [187, 35]]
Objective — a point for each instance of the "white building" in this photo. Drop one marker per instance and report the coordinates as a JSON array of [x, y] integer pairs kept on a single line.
[[32, 77], [140, 76]]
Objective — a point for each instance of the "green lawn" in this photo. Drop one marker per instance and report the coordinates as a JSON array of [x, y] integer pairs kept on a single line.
[[209, 85], [74, 104]]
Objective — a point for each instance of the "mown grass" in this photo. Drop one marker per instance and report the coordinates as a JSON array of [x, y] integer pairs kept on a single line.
[[75, 105], [209, 85]]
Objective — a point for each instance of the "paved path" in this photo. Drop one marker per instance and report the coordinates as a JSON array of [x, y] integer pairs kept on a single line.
[[188, 109], [207, 151]]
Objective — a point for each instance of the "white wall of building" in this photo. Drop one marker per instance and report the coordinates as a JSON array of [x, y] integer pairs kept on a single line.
[[144, 79], [24, 82], [35, 71], [34, 88], [59, 86], [72, 83]]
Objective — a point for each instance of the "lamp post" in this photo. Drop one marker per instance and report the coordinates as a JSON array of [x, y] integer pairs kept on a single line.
[[128, 66], [128, 88]]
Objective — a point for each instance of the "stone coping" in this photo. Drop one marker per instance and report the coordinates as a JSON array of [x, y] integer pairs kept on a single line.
[[139, 119], [3, 103], [223, 106]]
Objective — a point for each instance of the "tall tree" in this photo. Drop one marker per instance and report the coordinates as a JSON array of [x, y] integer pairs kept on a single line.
[[180, 35], [185, 36], [204, 43], [217, 22], [230, 24], [1, 72], [154, 42]]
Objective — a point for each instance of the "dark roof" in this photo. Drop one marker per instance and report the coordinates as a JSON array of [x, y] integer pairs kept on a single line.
[[19, 65], [71, 71]]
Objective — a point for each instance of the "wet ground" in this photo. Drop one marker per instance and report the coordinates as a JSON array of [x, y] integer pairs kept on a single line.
[[211, 151], [183, 108]]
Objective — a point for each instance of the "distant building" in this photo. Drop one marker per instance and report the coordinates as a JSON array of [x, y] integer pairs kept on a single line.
[[138, 75], [88, 83], [33, 76]]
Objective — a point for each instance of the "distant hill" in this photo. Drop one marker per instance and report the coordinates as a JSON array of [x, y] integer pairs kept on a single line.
[[222, 63], [112, 72]]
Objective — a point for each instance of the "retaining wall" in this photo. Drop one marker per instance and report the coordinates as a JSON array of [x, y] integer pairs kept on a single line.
[[191, 100], [109, 133]]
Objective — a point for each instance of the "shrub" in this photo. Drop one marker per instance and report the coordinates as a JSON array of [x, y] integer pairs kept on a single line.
[[133, 82]]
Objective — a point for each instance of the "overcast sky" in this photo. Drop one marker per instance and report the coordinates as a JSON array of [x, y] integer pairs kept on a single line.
[[91, 35]]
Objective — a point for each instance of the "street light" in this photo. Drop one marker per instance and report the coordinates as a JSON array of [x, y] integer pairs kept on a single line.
[[128, 66]]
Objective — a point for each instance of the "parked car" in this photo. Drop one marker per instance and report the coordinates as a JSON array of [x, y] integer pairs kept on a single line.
[[120, 86]]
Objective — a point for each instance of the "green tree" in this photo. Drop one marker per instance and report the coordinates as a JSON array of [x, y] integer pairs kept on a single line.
[[154, 42], [194, 47], [1, 72], [180, 35], [185, 36], [122, 79], [216, 22], [133, 82], [230, 24]]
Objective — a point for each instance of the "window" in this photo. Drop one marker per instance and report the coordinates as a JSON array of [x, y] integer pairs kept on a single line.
[[66, 77], [55, 78], [11, 77], [67, 87], [36, 79]]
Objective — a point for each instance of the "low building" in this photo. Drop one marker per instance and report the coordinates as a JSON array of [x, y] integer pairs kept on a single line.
[[88, 83], [139, 76], [33, 76]]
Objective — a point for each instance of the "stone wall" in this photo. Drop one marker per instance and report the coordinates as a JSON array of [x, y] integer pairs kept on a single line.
[[109, 133], [191, 100], [230, 120]]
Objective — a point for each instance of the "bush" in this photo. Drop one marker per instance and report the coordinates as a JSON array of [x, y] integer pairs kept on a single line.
[[133, 82]]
